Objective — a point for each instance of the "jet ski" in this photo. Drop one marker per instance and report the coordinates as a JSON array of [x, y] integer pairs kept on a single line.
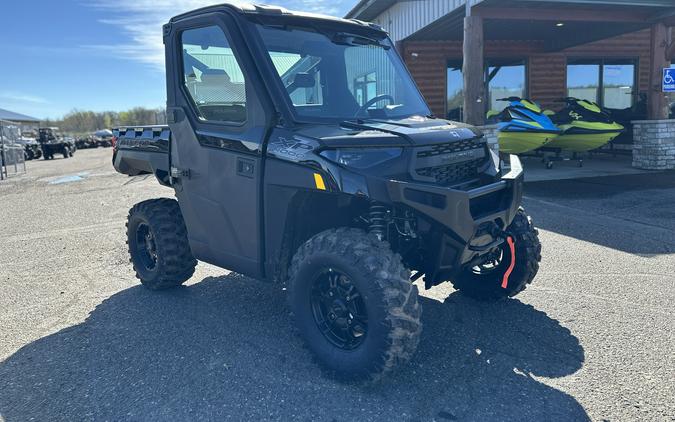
[[522, 126], [585, 126]]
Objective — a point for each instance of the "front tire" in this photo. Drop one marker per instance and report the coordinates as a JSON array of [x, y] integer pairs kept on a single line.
[[158, 244], [354, 304], [487, 285]]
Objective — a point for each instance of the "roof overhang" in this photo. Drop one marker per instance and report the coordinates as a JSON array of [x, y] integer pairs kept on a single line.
[[11, 116], [558, 24]]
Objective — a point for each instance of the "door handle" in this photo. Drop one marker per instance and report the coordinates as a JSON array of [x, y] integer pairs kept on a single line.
[[245, 167]]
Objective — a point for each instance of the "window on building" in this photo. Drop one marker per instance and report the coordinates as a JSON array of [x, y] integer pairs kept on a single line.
[[455, 92], [212, 75], [505, 79], [618, 85], [583, 81], [610, 83]]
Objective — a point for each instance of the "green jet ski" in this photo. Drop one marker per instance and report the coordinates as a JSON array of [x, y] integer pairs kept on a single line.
[[584, 125]]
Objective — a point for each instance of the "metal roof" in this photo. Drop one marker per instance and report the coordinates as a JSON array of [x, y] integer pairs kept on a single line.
[[16, 117], [369, 9], [442, 19]]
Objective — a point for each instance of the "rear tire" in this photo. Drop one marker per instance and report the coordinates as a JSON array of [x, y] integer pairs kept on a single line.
[[381, 324], [158, 244], [487, 287]]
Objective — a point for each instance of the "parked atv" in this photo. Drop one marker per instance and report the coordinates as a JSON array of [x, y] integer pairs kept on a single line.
[[32, 150], [301, 152], [52, 142], [85, 142]]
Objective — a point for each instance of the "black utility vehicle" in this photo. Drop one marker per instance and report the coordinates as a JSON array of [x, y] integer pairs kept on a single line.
[[300, 151], [52, 142]]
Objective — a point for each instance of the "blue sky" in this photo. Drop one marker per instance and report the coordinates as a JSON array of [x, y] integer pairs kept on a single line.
[[58, 55]]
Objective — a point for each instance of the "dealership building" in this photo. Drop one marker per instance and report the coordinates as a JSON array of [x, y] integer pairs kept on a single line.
[[466, 54]]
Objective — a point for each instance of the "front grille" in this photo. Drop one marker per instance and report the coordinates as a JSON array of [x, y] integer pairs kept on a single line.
[[452, 173], [452, 147], [452, 163]]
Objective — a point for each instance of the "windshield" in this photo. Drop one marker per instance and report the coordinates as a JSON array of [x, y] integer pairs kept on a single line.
[[341, 76]]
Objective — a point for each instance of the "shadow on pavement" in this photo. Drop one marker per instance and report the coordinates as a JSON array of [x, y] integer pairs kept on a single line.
[[601, 186], [631, 213], [224, 348]]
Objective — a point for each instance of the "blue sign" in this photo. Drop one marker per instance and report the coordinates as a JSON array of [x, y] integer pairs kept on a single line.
[[669, 80]]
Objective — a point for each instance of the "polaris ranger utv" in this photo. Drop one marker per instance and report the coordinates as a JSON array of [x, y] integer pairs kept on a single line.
[[300, 151]]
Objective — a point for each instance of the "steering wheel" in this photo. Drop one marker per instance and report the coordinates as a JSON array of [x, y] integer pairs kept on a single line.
[[373, 101]]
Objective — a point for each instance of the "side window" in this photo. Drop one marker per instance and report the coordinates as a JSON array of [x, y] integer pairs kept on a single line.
[[212, 75]]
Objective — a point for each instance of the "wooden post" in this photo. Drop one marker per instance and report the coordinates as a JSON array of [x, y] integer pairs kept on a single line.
[[473, 71], [658, 103]]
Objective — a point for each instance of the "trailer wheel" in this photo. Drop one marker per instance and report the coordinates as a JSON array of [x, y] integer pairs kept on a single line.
[[354, 304], [158, 244], [485, 282]]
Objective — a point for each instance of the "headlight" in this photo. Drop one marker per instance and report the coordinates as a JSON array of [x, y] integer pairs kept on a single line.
[[361, 158]]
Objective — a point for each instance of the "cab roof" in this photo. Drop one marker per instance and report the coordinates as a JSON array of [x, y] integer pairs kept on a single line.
[[274, 11]]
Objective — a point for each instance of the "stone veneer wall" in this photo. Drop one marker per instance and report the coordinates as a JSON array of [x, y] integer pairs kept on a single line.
[[654, 144], [491, 134]]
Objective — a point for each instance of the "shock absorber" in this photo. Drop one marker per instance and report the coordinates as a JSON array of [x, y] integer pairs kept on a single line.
[[376, 217]]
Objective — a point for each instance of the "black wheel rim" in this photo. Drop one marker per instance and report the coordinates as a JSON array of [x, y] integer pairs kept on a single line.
[[338, 309], [146, 248]]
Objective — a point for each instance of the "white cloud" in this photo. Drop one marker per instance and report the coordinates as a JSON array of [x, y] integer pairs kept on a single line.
[[22, 98], [141, 21]]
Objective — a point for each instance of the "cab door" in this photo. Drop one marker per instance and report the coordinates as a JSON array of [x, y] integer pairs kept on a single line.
[[218, 125]]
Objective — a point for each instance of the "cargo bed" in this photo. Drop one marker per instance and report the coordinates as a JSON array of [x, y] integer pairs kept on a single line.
[[142, 150]]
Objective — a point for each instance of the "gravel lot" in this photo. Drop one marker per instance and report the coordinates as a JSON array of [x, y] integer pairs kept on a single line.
[[80, 339]]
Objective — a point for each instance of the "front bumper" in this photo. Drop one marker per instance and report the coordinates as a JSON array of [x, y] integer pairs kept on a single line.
[[459, 217]]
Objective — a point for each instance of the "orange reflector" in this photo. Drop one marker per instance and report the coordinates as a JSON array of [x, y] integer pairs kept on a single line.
[[318, 181]]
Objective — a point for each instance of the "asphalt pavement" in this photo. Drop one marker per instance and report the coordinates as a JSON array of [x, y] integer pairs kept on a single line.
[[593, 338]]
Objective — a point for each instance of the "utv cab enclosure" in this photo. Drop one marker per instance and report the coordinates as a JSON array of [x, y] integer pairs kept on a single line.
[[300, 151]]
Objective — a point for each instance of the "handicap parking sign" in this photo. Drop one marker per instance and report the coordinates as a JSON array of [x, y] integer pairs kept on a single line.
[[669, 80]]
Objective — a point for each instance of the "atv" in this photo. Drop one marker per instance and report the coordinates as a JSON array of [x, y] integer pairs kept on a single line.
[[52, 142], [300, 152]]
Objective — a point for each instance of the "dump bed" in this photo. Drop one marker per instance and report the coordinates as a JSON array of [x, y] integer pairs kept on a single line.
[[142, 150]]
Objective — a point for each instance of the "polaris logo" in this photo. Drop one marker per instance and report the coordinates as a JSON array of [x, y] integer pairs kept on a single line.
[[462, 156]]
